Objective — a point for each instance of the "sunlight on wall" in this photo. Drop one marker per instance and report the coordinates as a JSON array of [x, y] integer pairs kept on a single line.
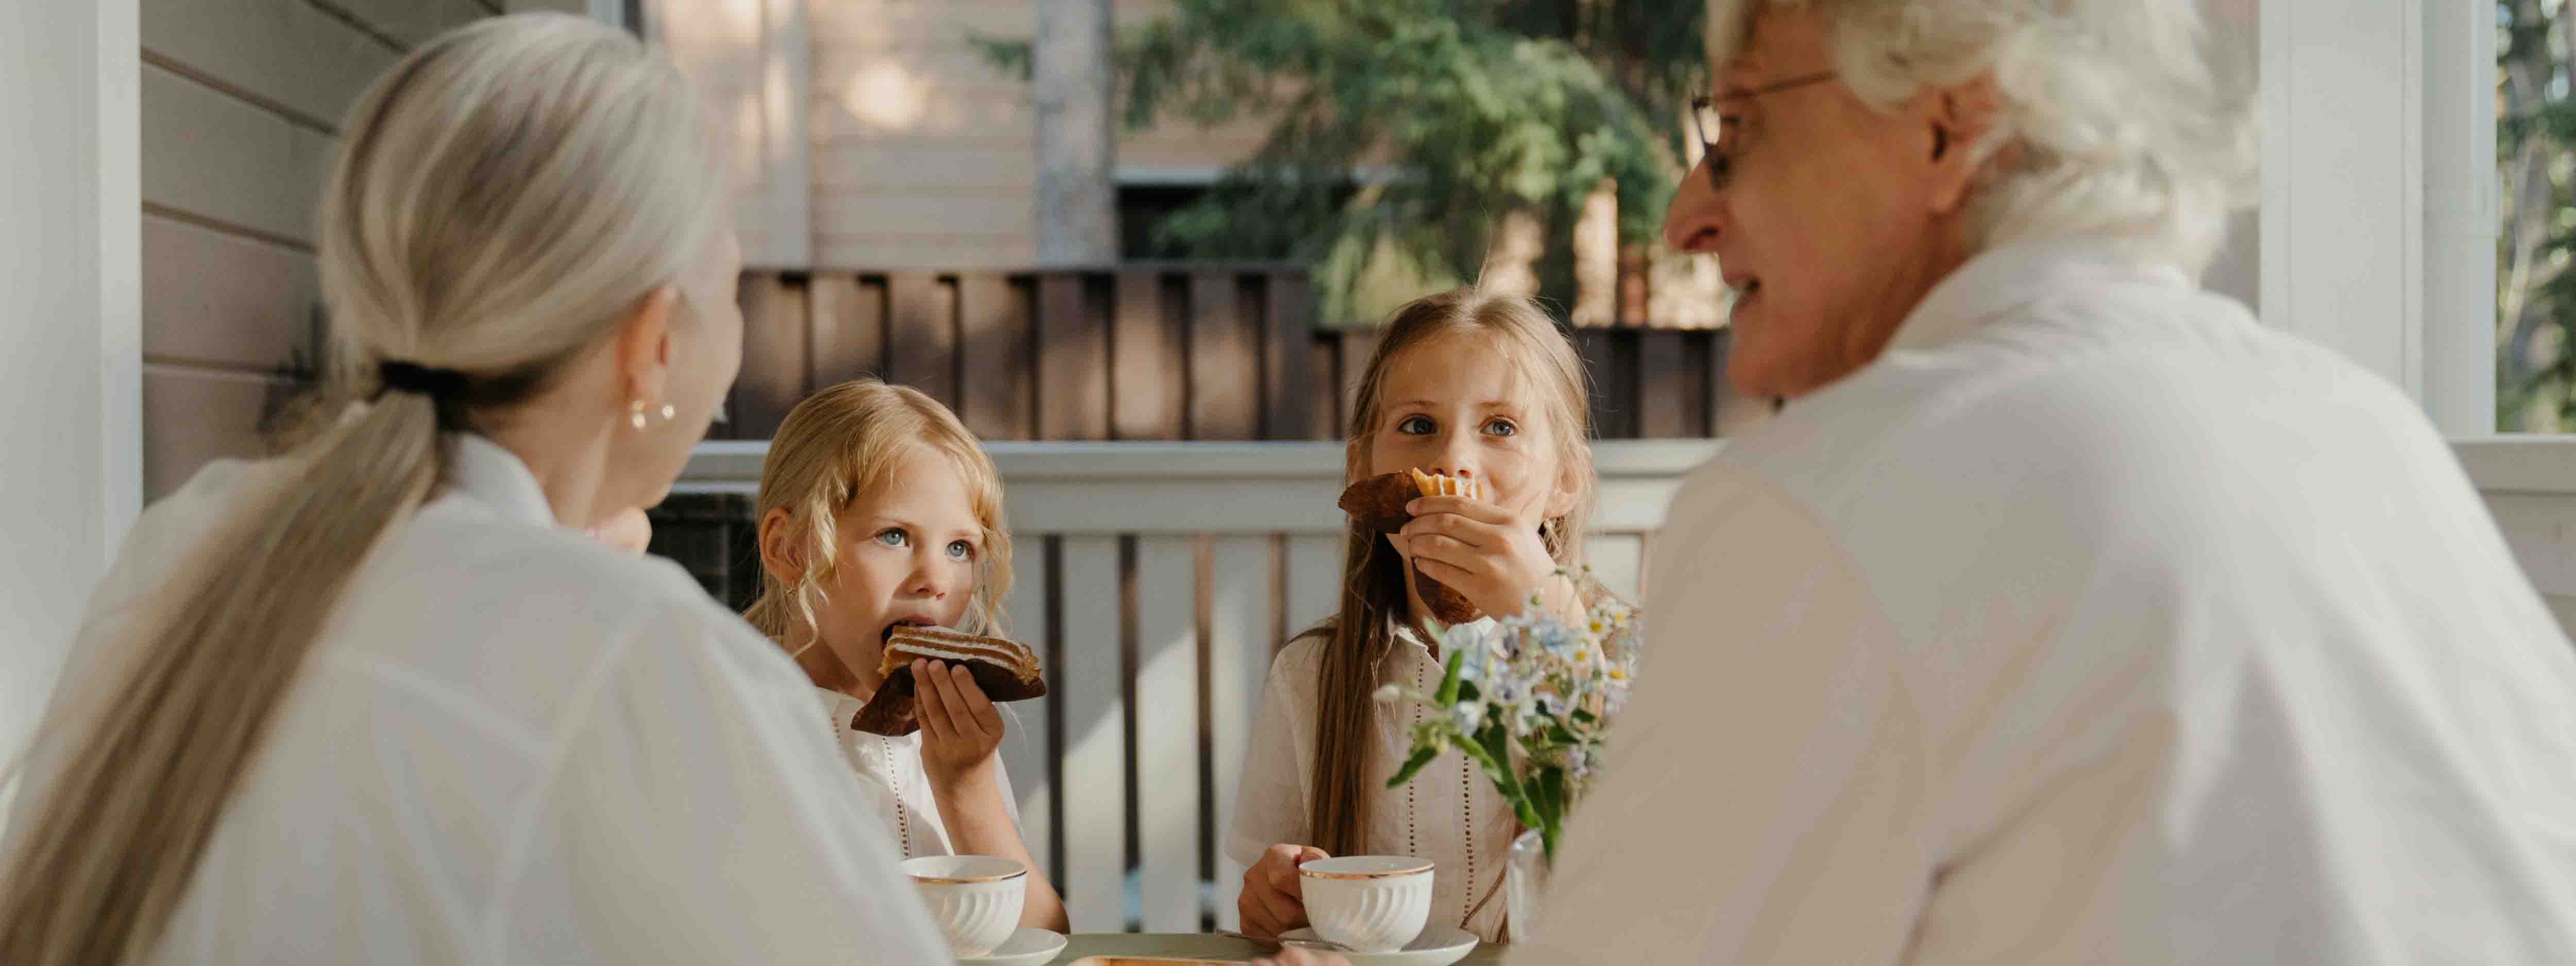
[[886, 95]]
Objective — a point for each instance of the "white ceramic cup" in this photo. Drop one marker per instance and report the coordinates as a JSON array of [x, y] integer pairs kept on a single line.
[[1369, 903], [974, 898]]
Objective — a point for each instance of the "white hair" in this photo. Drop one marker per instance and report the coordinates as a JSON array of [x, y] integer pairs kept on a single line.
[[2117, 122]]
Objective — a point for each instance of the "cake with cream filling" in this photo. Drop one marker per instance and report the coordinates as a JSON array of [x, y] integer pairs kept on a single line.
[[1006, 670]]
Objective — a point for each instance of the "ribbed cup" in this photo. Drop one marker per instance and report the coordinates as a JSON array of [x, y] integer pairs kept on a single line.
[[975, 899], [1370, 903]]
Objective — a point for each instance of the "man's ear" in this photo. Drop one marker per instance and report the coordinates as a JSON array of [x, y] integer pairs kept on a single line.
[[1960, 116], [782, 555]]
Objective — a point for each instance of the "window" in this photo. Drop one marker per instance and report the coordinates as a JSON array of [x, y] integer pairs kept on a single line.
[[2535, 157]]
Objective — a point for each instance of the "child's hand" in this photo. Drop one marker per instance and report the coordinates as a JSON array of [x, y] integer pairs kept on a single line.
[[960, 728], [1273, 900], [1482, 551]]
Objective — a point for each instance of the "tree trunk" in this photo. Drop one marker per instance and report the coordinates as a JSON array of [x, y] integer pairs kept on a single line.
[[2532, 200], [1077, 194]]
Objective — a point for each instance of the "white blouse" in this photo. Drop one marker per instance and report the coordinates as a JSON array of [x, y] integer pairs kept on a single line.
[[2095, 622], [894, 783], [512, 744], [1449, 813]]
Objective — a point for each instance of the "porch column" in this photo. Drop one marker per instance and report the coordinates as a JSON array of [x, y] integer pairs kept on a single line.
[[70, 337]]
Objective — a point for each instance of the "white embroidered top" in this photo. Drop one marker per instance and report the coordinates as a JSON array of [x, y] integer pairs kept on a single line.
[[893, 782], [1449, 813]]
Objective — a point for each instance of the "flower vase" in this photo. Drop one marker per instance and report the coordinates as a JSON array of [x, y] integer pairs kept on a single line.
[[1524, 879]]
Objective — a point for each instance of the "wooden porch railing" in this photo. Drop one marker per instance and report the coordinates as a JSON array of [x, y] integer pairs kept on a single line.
[[1158, 579], [1143, 351]]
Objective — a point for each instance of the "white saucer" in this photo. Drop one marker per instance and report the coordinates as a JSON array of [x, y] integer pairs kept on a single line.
[[1437, 946], [1030, 946]]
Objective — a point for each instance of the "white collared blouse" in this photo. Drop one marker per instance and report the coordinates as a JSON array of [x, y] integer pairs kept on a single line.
[[512, 744], [1448, 813], [2093, 623]]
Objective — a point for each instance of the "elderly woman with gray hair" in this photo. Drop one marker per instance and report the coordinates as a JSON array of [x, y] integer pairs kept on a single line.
[[2064, 613]]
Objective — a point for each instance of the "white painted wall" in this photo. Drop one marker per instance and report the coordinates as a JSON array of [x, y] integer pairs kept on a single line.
[[70, 342], [2234, 49]]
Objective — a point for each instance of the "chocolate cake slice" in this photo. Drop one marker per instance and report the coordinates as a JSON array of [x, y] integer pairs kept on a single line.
[[1006, 670]]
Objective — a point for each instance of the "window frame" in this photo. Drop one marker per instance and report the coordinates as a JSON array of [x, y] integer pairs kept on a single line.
[[2379, 190]]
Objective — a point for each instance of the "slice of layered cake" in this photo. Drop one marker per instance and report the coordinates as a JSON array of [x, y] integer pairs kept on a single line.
[[1006, 670]]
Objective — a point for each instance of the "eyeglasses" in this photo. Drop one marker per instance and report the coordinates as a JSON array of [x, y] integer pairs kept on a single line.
[[1708, 126]]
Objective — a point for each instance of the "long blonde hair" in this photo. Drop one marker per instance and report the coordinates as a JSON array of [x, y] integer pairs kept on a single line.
[[838, 447], [509, 191], [1358, 638]]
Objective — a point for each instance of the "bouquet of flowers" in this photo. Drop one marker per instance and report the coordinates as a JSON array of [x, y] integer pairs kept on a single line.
[[1528, 699]]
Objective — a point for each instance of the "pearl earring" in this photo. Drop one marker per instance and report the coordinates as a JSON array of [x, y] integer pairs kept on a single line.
[[635, 414]]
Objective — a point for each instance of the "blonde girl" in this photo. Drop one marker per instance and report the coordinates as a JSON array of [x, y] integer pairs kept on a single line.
[[1468, 383], [379, 699], [877, 508]]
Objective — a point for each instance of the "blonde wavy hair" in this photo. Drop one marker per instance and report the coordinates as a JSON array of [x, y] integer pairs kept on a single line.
[[507, 194], [839, 447]]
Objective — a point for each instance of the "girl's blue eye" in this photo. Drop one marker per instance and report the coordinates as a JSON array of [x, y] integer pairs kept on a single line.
[[1415, 426], [960, 550], [1501, 427], [893, 537]]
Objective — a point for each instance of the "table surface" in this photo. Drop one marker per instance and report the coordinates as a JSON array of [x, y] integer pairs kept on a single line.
[[1193, 946]]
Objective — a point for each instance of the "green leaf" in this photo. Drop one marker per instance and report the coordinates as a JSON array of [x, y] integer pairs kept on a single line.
[[1421, 757], [1447, 696]]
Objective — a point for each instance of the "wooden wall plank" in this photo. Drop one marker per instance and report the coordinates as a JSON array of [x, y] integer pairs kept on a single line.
[[1704, 368], [220, 159], [285, 53], [215, 298], [1223, 352], [775, 337], [1287, 357], [1238, 650], [1094, 739], [1357, 346], [1073, 360], [921, 334], [1146, 379], [409, 22], [1671, 397], [192, 417], [998, 375], [1167, 750], [1025, 748], [847, 329], [1610, 357], [1324, 387]]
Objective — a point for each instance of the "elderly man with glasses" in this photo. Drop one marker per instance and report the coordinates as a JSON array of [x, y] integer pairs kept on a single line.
[[2064, 614]]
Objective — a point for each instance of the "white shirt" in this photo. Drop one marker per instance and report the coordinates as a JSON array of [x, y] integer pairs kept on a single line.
[[893, 782], [2094, 623], [512, 744], [1448, 813]]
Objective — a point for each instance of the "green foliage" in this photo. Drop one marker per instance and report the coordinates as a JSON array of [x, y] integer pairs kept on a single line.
[[1402, 130], [2536, 291]]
